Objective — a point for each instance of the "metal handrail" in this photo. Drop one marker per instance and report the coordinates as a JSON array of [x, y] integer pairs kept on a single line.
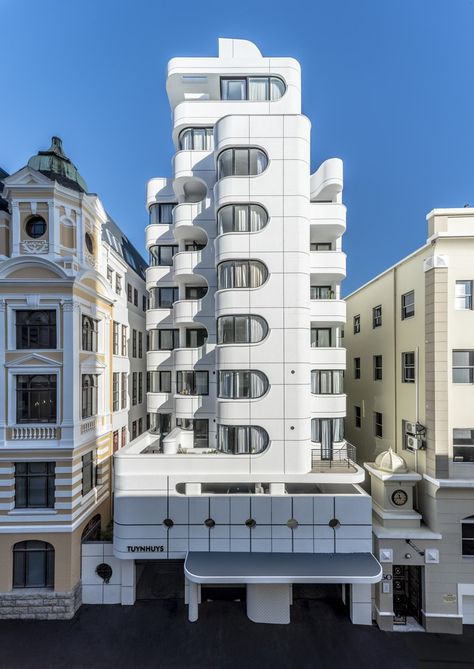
[[334, 456]]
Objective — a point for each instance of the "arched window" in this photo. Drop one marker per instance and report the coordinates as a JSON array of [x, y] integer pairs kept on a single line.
[[241, 218], [35, 227], [33, 565], [467, 528], [91, 531], [241, 439], [327, 381], [242, 384], [90, 328], [243, 162], [241, 329], [241, 274], [196, 139]]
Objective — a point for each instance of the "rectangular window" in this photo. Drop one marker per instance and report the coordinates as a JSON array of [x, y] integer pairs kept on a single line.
[[159, 382], [110, 275], [356, 324], [408, 305], [90, 329], [134, 388], [377, 367], [115, 338], [134, 430], [115, 441], [408, 367], [89, 395], [140, 387], [144, 302], [134, 343], [123, 436], [88, 473], [34, 485], [140, 425], [357, 416], [201, 433], [123, 395], [162, 255], [196, 338], [135, 297], [129, 292], [377, 316], [163, 340], [33, 565], [321, 293], [463, 366], [115, 391], [118, 284], [321, 337], [124, 340], [195, 292], [36, 398], [140, 345], [163, 298], [378, 424], [36, 329], [192, 383], [463, 295], [162, 213], [357, 368], [234, 89], [463, 445], [320, 246], [467, 534]]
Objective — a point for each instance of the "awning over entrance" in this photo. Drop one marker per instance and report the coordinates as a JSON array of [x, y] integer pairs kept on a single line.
[[282, 568]]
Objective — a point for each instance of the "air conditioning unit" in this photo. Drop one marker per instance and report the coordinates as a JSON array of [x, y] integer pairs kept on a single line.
[[410, 428], [413, 443]]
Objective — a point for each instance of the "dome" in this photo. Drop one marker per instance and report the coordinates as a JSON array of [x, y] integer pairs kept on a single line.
[[388, 461], [54, 164]]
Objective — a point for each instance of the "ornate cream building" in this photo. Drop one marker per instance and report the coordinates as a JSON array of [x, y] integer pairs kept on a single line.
[[73, 386]]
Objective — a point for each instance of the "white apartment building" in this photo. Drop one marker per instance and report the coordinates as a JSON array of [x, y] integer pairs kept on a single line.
[[244, 478], [72, 357], [410, 387]]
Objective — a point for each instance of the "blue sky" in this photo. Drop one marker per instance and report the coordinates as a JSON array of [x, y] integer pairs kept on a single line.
[[388, 86]]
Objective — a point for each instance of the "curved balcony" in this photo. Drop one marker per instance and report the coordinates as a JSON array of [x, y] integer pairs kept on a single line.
[[328, 265], [158, 189], [194, 173], [158, 402], [185, 312], [155, 359], [186, 264], [190, 222], [187, 405], [328, 406], [328, 220], [328, 311], [158, 232], [331, 357], [155, 317], [188, 357], [157, 273]]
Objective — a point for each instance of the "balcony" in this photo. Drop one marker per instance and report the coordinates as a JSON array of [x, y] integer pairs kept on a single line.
[[158, 232], [186, 312], [154, 359], [188, 357], [193, 221], [186, 264], [327, 357], [157, 273], [328, 406], [328, 266], [159, 401], [328, 311], [338, 457], [328, 220], [158, 317], [35, 433]]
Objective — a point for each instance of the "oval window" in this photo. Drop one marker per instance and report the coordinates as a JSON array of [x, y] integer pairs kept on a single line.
[[241, 162], [35, 227], [241, 218], [245, 329], [241, 274], [242, 384], [89, 243], [241, 439]]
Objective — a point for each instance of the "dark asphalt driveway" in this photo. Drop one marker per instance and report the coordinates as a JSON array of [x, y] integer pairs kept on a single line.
[[156, 634]]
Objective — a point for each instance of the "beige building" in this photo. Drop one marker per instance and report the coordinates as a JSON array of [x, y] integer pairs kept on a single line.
[[410, 388], [72, 382]]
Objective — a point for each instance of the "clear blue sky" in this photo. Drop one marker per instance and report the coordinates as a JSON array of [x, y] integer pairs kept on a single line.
[[388, 86]]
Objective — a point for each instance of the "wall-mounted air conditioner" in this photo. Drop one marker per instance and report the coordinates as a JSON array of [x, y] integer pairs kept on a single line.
[[410, 428], [413, 443]]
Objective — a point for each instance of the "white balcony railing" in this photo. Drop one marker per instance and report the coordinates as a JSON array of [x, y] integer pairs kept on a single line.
[[88, 425], [27, 433]]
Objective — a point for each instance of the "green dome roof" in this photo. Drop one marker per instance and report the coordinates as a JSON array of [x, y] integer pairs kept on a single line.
[[54, 164]]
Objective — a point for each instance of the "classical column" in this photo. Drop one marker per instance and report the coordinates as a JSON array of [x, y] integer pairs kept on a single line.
[[70, 332], [15, 229]]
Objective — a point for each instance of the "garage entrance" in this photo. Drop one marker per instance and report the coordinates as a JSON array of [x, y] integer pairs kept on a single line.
[[160, 579]]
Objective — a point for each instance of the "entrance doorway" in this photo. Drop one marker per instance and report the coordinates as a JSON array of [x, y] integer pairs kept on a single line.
[[407, 593], [160, 579]]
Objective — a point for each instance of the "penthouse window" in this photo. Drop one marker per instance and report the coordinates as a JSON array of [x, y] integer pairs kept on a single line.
[[89, 334], [238, 385], [241, 162], [36, 329], [241, 329], [162, 255], [241, 218], [36, 398], [241, 274], [241, 439], [327, 382], [163, 298], [254, 89], [192, 383], [197, 139]]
